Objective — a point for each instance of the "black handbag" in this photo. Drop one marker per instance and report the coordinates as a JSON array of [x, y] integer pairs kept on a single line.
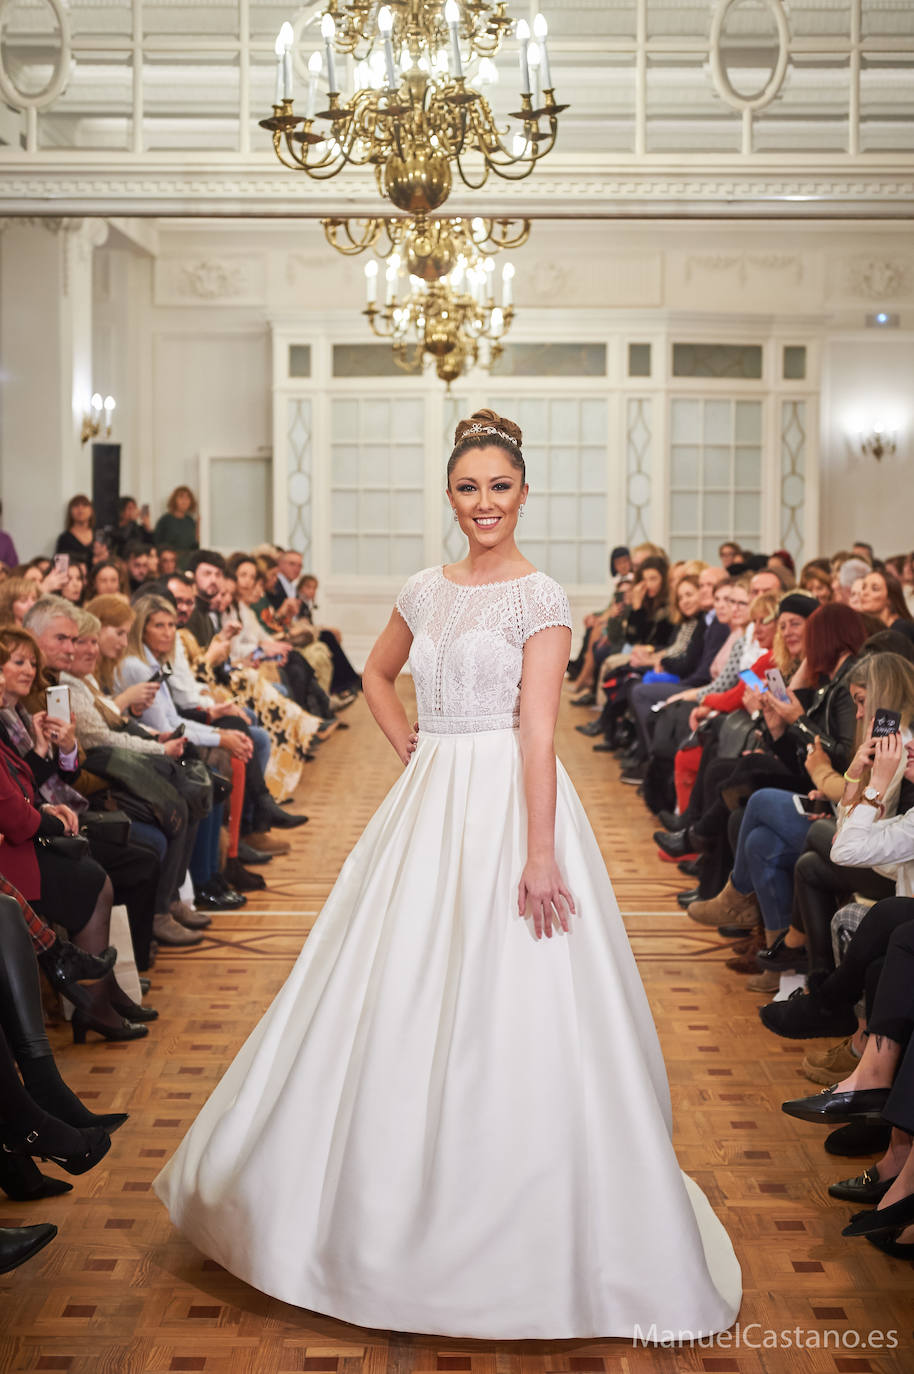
[[73, 847], [106, 827]]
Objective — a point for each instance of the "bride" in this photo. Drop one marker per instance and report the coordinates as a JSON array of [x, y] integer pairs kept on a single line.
[[454, 1118]]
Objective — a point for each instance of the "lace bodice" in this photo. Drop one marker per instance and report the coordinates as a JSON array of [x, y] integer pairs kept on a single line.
[[467, 651]]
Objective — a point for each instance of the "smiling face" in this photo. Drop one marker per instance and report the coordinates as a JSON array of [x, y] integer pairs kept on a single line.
[[18, 673], [85, 655], [486, 494], [874, 594], [739, 609], [793, 633], [688, 599]]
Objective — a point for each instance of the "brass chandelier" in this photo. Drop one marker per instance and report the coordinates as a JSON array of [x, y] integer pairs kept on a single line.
[[439, 297], [415, 115]]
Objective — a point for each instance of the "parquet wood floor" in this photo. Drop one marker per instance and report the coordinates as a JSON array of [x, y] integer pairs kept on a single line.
[[119, 1292]]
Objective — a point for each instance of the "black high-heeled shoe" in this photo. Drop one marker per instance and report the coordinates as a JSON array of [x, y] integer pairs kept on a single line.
[[895, 1217], [83, 1021], [96, 1141], [23, 1181]]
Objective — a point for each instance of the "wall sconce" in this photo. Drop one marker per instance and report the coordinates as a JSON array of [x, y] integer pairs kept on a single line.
[[92, 423], [878, 442]]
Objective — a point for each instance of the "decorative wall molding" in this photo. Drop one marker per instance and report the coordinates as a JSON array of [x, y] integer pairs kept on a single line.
[[878, 279], [224, 280], [794, 188], [745, 265]]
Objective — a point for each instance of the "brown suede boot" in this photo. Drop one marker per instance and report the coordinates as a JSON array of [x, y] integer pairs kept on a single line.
[[743, 960], [754, 939], [728, 908]]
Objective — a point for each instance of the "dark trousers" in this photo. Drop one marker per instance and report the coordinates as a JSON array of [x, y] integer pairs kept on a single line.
[[134, 873], [858, 973], [820, 887], [893, 1016]]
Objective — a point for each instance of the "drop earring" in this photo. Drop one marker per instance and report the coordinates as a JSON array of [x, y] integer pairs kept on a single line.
[[521, 510], [455, 517]]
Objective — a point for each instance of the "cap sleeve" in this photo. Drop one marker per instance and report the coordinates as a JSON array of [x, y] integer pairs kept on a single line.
[[412, 595], [547, 605]]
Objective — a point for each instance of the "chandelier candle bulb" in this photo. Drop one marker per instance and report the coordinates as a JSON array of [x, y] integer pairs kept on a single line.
[[523, 35], [371, 282], [507, 285], [540, 30], [386, 24], [278, 49], [315, 67], [452, 18], [328, 33], [284, 43], [533, 59]]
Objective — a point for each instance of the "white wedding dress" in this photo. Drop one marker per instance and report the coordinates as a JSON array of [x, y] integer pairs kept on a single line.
[[442, 1124]]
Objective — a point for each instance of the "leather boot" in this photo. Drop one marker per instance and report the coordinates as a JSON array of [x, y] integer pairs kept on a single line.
[[267, 843], [729, 907], [744, 962], [20, 1243]]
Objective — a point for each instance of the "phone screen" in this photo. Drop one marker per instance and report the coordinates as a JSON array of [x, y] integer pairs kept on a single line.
[[753, 680], [813, 806], [62, 562], [886, 722]]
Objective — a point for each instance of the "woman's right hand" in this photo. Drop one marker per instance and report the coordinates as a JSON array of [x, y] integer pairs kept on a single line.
[[407, 750], [174, 748], [697, 715], [140, 694], [862, 760], [237, 743]]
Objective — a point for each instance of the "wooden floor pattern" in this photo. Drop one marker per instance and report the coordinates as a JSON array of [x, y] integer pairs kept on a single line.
[[119, 1292]]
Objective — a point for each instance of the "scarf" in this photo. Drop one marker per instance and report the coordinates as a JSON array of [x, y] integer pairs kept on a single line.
[[18, 724]]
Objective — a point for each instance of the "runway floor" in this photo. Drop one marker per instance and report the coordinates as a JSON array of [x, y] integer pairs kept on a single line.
[[119, 1292]]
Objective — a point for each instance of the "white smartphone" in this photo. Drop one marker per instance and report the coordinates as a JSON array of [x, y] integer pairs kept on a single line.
[[776, 685], [59, 703]]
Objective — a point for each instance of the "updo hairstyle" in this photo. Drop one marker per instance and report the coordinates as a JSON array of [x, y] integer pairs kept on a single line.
[[485, 429]]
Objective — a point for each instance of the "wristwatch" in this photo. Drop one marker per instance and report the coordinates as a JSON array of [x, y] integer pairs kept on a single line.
[[872, 797]]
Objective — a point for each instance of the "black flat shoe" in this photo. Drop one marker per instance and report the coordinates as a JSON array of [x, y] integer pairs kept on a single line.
[[269, 816], [635, 775], [896, 1248], [690, 867], [669, 820], [145, 984], [604, 747], [685, 899], [782, 956], [591, 729], [20, 1243], [858, 1138], [23, 1181], [895, 1217], [238, 877], [585, 699], [125, 1030], [830, 1105], [804, 1017], [674, 843], [96, 1141], [866, 1187], [247, 854]]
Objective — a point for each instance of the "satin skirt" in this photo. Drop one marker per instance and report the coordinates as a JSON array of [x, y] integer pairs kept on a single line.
[[444, 1125]]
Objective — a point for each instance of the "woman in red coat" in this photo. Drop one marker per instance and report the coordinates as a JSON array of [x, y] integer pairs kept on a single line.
[[74, 893]]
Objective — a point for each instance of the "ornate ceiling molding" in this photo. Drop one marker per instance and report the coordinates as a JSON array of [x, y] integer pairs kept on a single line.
[[651, 188]]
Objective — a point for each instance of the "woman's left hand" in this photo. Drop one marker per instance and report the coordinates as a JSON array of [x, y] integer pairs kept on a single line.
[[886, 758], [543, 895], [60, 733], [65, 814], [816, 757]]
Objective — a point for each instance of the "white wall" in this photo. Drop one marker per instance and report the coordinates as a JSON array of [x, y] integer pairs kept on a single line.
[[868, 380]]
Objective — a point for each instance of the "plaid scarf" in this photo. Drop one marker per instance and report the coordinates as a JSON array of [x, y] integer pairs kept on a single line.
[[18, 725]]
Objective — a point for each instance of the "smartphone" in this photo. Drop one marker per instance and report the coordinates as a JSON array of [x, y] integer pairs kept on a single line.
[[813, 806], [58, 699], [776, 684], [157, 676], [753, 680], [61, 562], [257, 654], [658, 705], [177, 732], [886, 722], [144, 511]]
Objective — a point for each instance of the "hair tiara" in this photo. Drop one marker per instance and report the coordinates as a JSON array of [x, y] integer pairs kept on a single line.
[[479, 428]]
